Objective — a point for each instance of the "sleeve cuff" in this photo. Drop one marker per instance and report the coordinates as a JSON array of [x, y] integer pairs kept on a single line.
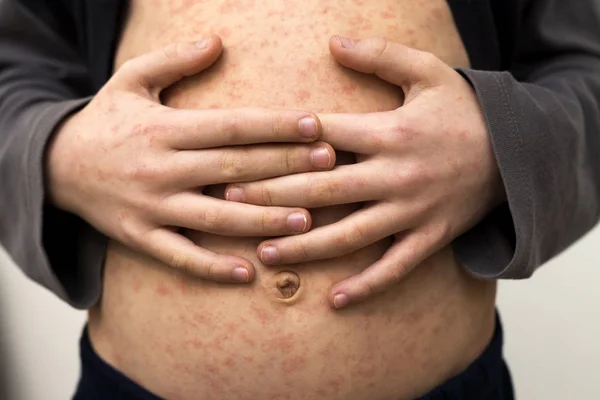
[[491, 249]]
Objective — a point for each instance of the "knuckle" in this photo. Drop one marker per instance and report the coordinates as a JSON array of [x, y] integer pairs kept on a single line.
[[426, 61], [230, 126], [289, 160], [277, 126], [180, 261], [319, 189], [415, 175], [144, 171], [211, 219], [131, 233], [171, 51], [131, 73], [368, 289], [397, 272], [145, 130], [444, 233], [265, 195], [301, 249], [129, 66], [404, 130], [209, 270], [379, 47], [234, 165], [354, 237], [265, 221], [270, 219]]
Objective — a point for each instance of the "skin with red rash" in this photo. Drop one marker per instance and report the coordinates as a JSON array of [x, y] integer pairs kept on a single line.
[[278, 337]]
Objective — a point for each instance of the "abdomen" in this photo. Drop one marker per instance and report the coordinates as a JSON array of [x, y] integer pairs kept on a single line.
[[188, 339]]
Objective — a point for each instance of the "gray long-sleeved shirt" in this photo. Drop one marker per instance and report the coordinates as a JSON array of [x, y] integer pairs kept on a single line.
[[535, 69]]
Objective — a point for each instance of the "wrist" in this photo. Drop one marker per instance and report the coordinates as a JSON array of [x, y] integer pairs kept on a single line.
[[59, 167]]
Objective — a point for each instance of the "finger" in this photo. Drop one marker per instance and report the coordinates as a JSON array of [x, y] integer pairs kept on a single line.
[[248, 163], [207, 214], [152, 72], [345, 184], [360, 229], [184, 255], [225, 127], [357, 133], [393, 62], [401, 258]]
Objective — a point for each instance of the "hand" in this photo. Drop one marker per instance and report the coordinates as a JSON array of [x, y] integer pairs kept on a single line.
[[426, 171], [134, 169]]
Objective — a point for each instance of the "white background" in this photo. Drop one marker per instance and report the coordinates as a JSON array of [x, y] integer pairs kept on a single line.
[[552, 325]]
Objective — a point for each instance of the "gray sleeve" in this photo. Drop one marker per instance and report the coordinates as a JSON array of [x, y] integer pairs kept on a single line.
[[543, 116], [42, 80]]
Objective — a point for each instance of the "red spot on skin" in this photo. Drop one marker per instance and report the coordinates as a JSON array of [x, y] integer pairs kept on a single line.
[[334, 384], [216, 386], [224, 32], [438, 14], [163, 290], [229, 362], [282, 343], [302, 96], [294, 364], [248, 341], [136, 285], [201, 317], [183, 287], [226, 380], [195, 343], [101, 176], [182, 367], [366, 372], [248, 358], [349, 89], [387, 15], [312, 65], [302, 74], [260, 313], [213, 369], [275, 13], [227, 6], [231, 326]]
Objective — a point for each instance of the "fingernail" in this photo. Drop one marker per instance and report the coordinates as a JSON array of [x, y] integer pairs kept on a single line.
[[203, 43], [340, 300], [346, 42], [240, 274], [308, 127], [297, 222], [320, 158], [269, 255], [235, 193]]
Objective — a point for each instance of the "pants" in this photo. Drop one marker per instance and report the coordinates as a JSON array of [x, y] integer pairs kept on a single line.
[[487, 378]]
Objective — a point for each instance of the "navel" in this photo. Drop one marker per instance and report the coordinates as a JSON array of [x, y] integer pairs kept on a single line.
[[286, 285]]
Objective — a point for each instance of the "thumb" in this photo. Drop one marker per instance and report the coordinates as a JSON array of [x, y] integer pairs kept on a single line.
[[155, 71], [401, 65]]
